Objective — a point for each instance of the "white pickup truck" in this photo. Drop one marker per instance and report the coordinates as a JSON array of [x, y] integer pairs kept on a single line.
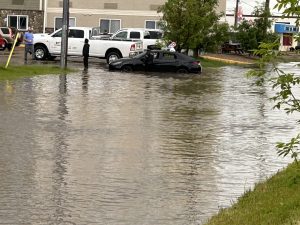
[[150, 37], [49, 45]]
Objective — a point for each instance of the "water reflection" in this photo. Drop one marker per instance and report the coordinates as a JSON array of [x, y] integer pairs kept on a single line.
[[112, 148]]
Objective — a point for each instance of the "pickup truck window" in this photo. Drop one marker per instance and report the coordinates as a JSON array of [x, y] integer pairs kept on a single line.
[[57, 34], [135, 35], [122, 35], [76, 33]]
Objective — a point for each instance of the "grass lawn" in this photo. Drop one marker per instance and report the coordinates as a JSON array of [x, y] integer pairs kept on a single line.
[[273, 202], [15, 72], [212, 63]]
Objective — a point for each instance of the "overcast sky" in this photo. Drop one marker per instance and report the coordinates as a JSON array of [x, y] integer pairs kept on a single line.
[[248, 5]]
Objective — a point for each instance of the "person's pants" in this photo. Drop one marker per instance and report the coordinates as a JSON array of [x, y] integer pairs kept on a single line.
[[86, 61], [29, 49]]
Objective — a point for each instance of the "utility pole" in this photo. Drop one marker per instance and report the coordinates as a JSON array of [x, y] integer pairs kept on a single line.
[[266, 16], [64, 37], [236, 13]]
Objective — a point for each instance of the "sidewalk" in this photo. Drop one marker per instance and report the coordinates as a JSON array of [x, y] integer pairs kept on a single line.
[[231, 58]]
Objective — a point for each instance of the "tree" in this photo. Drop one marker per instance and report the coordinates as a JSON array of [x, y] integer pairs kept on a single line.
[[251, 33], [283, 83], [189, 22]]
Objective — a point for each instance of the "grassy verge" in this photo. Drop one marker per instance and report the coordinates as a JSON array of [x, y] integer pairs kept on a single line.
[[212, 63], [17, 72], [274, 202]]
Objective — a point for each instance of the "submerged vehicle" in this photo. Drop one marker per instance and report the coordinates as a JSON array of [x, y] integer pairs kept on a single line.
[[158, 60]]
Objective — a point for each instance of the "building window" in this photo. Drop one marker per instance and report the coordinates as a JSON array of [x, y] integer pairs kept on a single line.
[[110, 5], [18, 21], [17, 2], [59, 20], [152, 24], [109, 25]]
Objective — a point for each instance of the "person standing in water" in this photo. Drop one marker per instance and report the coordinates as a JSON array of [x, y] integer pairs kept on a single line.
[[85, 53]]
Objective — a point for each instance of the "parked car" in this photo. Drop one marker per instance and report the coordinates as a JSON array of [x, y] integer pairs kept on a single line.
[[158, 60], [2, 43], [297, 48], [14, 32], [7, 33]]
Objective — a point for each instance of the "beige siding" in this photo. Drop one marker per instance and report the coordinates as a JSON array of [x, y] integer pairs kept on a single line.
[[132, 13], [28, 5]]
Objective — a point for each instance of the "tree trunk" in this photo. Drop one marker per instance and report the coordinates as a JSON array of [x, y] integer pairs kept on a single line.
[[196, 52]]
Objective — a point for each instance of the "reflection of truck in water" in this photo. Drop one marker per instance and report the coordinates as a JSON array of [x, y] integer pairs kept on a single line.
[[49, 46]]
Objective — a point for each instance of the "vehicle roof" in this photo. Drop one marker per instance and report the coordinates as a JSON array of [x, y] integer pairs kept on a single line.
[[140, 29], [89, 28], [175, 53]]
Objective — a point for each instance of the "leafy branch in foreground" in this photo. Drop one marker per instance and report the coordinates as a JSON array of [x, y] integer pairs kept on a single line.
[[284, 84]]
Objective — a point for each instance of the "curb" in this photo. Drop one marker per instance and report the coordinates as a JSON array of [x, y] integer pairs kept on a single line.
[[227, 60]]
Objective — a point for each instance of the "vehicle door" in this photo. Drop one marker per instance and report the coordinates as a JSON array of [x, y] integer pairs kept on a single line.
[[165, 62], [55, 42], [75, 41], [147, 40]]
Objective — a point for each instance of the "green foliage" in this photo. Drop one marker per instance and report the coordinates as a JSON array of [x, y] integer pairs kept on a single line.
[[17, 72], [190, 23], [274, 202], [219, 33], [289, 8], [251, 33]]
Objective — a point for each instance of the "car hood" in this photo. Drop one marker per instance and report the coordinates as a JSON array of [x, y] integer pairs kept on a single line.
[[123, 60]]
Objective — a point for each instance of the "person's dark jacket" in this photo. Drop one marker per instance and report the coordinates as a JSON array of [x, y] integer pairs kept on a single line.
[[86, 50]]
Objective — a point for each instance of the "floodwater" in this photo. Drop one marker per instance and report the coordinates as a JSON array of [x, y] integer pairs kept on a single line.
[[109, 148]]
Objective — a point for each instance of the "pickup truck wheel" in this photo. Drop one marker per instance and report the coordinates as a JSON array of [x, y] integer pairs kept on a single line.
[[40, 52], [112, 56]]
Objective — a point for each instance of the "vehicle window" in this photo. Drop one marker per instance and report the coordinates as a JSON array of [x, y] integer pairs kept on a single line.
[[57, 34], [168, 56], [122, 35], [146, 35], [76, 33], [135, 35], [155, 34], [5, 30]]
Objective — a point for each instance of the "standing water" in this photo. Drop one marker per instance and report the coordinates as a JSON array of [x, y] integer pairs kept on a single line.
[[126, 149]]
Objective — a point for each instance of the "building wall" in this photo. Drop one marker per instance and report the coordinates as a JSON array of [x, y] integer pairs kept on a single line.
[[20, 4], [35, 18], [133, 13]]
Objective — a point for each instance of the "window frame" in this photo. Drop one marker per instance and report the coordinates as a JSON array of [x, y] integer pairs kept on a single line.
[[18, 21], [109, 25], [156, 24], [59, 17]]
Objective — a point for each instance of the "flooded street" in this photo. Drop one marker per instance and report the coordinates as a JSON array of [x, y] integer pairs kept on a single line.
[[111, 148]]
